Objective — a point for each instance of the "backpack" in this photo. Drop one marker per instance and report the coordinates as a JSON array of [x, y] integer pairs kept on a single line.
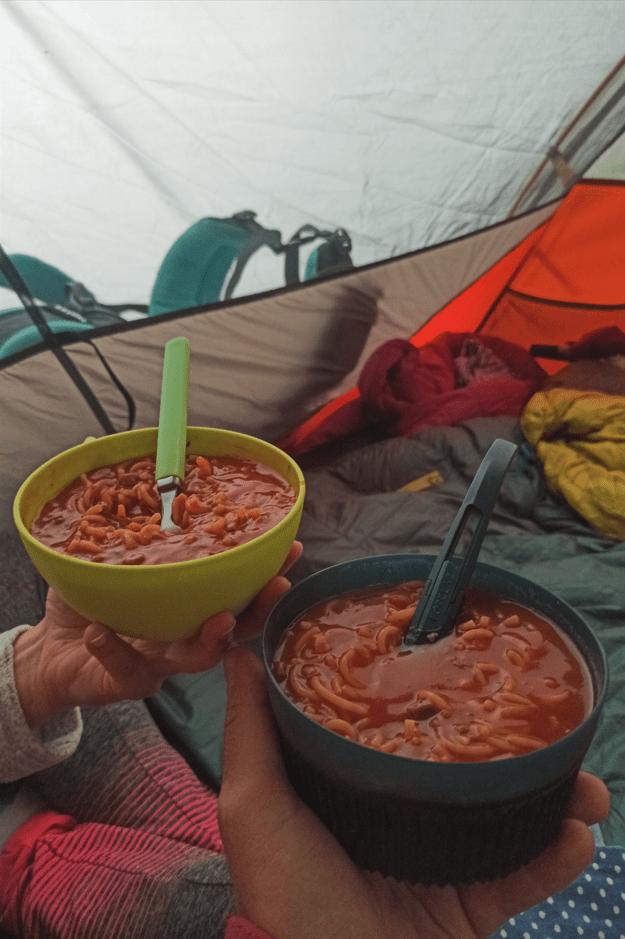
[[205, 264]]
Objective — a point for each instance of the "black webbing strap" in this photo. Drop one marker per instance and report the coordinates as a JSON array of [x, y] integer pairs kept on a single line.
[[308, 233], [333, 256], [128, 398], [50, 339], [256, 241], [291, 251], [259, 236], [80, 301]]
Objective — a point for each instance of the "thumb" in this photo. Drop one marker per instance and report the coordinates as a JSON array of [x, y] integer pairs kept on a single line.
[[129, 670]]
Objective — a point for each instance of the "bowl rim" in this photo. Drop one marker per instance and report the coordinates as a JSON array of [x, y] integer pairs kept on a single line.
[[90, 565], [435, 767]]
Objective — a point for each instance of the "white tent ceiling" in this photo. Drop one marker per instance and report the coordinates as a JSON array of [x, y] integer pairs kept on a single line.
[[406, 122]]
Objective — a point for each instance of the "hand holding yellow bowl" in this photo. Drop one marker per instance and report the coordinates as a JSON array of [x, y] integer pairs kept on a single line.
[[163, 601]]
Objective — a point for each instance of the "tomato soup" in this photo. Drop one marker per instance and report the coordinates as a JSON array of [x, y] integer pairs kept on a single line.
[[504, 683], [112, 514]]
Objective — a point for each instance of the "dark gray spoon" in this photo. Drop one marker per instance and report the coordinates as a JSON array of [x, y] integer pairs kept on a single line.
[[444, 590]]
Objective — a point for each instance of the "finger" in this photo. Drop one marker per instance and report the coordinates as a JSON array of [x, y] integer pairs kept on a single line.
[[294, 555], [556, 867], [131, 674], [268, 596], [251, 622], [590, 801], [280, 857], [559, 864], [198, 653]]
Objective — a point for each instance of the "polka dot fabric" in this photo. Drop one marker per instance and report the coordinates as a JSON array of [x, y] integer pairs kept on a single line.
[[593, 907]]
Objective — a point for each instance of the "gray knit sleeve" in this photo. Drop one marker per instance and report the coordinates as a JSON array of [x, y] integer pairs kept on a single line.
[[22, 750]]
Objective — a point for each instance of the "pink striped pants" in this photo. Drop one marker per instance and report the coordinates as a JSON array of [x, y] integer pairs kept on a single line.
[[138, 854]]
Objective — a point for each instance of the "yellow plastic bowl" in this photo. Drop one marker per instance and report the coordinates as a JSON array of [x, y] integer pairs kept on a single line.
[[158, 601]]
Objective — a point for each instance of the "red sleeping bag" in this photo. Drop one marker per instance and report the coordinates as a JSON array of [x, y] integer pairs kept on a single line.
[[406, 388]]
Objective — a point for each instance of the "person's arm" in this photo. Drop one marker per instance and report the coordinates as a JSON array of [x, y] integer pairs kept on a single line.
[[293, 880], [23, 748]]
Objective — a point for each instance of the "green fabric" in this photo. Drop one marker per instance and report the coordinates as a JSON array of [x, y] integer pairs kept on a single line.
[[195, 267], [311, 265], [31, 335], [44, 281], [189, 710]]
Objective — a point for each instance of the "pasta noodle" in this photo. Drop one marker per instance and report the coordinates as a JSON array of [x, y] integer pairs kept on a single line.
[[344, 663], [389, 633], [112, 514], [344, 704], [341, 727], [471, 696]]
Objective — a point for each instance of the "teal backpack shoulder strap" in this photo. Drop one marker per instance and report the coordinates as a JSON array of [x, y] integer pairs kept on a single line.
[[196, 269]]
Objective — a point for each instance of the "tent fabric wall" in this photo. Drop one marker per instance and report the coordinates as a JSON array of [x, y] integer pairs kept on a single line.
[[464, 312], [259, 366], [597, 127], [564, 280], [124, 122], [572, 281], [579, 256]]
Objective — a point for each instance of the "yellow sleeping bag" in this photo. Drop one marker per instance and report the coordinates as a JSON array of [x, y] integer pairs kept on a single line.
[[580, 438]]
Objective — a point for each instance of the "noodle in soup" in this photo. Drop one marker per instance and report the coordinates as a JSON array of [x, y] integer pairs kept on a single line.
[[506, 681], [112, 514]]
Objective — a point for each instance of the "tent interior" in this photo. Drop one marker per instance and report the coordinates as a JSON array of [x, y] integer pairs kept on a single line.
[[476, 162]]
